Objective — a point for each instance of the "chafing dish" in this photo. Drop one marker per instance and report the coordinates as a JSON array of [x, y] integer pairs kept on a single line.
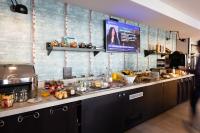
[[18, 78]]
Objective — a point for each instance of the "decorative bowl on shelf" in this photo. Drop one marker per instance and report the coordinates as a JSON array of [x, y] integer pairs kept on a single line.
[[73, 45], [82, 45]]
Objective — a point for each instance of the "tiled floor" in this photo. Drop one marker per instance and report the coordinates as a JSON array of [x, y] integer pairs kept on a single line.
[[172, 121]]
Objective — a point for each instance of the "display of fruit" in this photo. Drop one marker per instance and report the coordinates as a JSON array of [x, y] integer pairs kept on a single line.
[[53, 86], [117, 76], [128, 72], [61, 94]]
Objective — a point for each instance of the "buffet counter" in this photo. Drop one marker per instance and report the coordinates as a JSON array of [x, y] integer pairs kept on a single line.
[[52, 101]]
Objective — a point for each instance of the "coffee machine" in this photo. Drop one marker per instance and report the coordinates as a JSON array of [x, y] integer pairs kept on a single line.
[[177, 59]]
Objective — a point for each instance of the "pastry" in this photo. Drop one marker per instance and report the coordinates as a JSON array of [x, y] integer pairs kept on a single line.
[[61, 94]]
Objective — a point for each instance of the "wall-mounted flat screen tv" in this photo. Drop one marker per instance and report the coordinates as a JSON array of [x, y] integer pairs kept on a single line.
[[121, 37]]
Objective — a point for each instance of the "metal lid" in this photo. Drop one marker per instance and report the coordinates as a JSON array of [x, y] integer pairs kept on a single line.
[[16, 73]]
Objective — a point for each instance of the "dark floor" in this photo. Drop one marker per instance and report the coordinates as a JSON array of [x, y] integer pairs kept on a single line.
[[172, 121]]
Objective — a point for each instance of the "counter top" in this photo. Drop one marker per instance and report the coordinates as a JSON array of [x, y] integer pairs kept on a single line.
[[52, 101]]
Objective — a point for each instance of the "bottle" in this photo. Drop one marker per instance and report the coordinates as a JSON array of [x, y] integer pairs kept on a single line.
[[158, 48], [173, 70], [109, 75], [35, 86]]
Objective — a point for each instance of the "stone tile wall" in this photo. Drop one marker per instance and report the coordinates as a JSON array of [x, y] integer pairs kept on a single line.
[[16, 36]]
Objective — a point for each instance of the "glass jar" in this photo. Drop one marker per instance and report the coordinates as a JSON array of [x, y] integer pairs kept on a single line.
[[21, 96], [25, 95], [16, 97]]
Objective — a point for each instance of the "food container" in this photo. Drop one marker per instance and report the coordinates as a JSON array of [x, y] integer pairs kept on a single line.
[[97, 84], [53, 86], [7, 100], [61, 94], [72, 92], [81, 86], [21, 96], [105, 85], [155, 75], [45, 93], [166, 76]]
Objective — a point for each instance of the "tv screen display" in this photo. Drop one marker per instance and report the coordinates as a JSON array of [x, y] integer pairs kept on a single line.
[[121, 37]]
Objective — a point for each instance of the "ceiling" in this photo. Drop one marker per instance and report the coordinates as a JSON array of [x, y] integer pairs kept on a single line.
[[190, 7], [140, 13]]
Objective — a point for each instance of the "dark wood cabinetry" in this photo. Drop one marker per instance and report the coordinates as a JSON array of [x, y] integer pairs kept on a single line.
[[185, 88], [153, 100], [27, 122], [62, 119], [104, 114], [169, 94], [136, 105], [191, 83], [113, 113]]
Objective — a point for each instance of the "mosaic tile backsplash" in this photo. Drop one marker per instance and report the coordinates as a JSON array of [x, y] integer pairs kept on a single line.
[[53, 20]]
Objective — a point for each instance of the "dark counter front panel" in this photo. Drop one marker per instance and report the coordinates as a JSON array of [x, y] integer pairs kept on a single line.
[[61, 119], [104, 114]]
